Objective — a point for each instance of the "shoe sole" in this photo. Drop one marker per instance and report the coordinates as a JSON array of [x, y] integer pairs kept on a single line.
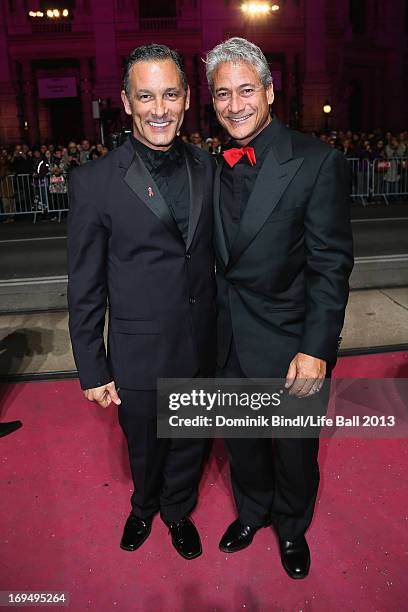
[[138, 546]]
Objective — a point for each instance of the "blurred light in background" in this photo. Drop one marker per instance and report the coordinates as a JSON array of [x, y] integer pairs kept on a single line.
[[50, 14], [259, 8]]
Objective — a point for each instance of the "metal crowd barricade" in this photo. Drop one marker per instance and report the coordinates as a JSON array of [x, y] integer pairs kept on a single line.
[[389, 178], [360, 178], [27, 194], [17, 195]]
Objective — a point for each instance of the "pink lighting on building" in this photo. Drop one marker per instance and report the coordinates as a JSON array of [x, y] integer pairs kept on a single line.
[[317, 50]]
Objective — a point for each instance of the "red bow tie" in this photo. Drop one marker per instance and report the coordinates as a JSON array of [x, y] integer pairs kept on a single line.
[[232, 156]]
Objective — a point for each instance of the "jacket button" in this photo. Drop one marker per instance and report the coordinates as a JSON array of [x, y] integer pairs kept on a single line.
[[192, 300], [188, 256]]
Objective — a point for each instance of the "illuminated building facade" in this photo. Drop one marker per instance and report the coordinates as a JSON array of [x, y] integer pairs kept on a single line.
[[58, 56]]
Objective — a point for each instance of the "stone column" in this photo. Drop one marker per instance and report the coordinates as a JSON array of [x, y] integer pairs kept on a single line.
[[107, 82], [9, 124], [192, 117], [393, 37], [288, 84], [30, 96], [19, 15], [34, 5], [80, 6], [215, 16], [19, 7], [316, 85], [86, 98]]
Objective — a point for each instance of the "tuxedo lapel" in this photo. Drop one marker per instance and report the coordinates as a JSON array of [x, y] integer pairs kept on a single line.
[[142, 184], [276, 173], [196, 177], [219, 236]]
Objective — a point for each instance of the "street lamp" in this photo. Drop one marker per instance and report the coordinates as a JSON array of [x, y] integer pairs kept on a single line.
[[327, 109], [50, 14], [259, 9]]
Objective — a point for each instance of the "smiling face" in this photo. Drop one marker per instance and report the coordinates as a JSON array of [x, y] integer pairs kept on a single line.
[[241, 101], [157, 102]]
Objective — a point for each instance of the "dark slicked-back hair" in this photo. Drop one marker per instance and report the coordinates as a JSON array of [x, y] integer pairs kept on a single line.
[[153, 53]]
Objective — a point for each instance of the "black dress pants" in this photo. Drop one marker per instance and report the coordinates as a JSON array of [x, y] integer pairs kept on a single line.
[[165, 472], [273, 480]]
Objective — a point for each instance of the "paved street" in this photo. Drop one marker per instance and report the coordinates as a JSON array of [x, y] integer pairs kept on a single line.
[[38, 251]]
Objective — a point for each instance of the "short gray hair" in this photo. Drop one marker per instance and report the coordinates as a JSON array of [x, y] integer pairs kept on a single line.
[[237, 50]]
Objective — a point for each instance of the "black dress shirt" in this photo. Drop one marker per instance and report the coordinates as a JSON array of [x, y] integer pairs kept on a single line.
[[237, 183], [169, 172]]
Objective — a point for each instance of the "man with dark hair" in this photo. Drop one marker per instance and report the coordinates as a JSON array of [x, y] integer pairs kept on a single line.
[[284, 256], [140, 230]]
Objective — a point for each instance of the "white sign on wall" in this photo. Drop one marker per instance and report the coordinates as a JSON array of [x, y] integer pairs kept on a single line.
[[57, 87]]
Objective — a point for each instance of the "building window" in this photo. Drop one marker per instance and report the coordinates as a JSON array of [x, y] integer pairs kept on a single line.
[[406, 16], [158, 8], [357, 11], [57, 4]]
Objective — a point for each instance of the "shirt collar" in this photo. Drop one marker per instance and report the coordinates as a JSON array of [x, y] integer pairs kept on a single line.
[[154, 156]]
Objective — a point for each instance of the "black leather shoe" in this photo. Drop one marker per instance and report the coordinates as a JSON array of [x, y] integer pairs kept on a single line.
[[136, 531], [237, 537], [8, 428], [185, 538], [295, 556]]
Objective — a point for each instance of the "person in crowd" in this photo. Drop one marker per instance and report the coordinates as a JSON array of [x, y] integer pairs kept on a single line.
[[95, 155], [197, 140], [21, 162], [380, 149], [284, 255], [72, 155], [348, 148], [58, 171], [85, 153], [394, 149], [40, 164], [215, 147], [140, 232], [58, 183]]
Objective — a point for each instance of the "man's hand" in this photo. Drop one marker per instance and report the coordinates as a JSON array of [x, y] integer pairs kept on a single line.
[[305, 375], [103, 395]]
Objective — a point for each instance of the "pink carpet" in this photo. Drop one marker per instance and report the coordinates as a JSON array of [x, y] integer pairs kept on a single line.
[[65, 496]]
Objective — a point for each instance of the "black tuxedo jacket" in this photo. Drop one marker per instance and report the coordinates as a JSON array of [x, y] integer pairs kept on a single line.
[[125, 247], [283, 286]]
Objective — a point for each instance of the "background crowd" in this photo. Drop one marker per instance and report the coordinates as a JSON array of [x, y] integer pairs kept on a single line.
[[49, 157], [55, 160]]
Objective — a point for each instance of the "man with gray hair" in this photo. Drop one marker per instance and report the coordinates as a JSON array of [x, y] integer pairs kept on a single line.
[[284, 255]]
